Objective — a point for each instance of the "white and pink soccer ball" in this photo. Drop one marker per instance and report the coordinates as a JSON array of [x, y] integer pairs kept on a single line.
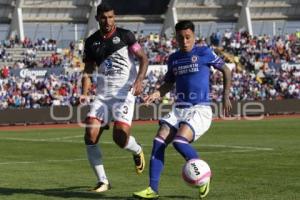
[[196, 172]]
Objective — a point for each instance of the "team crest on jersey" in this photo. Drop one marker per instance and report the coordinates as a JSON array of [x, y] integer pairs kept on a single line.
[[194, 59], [116, 40]]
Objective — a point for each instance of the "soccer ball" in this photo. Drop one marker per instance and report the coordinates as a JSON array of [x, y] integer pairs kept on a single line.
[[196, 172]]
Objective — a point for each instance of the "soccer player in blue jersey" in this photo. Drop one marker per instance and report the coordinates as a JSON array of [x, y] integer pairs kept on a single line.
[[191, 115]]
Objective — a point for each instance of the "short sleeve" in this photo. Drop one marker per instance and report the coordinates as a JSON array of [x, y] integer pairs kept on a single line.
[[213, 59], [130, 38]]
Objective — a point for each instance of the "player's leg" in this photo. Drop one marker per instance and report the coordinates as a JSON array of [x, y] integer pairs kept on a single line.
[[163, 137], [165, 134], [122, 137], [182, 144], [93, 132], [194, 126], [91, 137], [182, 141], [194, 123], [123, 114]]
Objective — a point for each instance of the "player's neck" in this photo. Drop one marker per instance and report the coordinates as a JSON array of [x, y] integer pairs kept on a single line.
[[187, 50], [106, 35]]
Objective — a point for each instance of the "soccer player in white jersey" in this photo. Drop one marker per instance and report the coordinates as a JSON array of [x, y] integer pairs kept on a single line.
[[110, 52], [191, 115]]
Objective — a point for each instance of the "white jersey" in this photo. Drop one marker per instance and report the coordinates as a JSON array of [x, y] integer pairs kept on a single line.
[[116, 69], [116, 75]]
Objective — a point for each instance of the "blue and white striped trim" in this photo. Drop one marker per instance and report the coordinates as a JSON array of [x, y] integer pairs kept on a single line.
[[160, 140], [181, 139]]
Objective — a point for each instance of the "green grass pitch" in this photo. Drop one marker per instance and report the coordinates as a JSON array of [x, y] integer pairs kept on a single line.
[[250, 160]]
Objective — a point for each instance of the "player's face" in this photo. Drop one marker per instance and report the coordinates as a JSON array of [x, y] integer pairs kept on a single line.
[[106, 21], [185, 39]]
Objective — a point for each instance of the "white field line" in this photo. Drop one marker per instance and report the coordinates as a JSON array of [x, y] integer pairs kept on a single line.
[[41, 161], [111, 157], [234, 149], [63, 140], [55, 140], [238, 147]]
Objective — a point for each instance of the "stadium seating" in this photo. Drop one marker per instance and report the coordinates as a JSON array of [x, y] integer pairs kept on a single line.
[[266, 62]]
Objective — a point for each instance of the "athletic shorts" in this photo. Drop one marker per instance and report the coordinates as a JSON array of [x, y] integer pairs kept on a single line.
[[119, 110], [197, 117]]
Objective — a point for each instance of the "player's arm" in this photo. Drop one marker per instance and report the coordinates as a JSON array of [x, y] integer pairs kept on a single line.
[[226, 88], [86, 81], [143, 66], [86, 77], [89, 67], [136, 49], [160, 92], [219, 64]]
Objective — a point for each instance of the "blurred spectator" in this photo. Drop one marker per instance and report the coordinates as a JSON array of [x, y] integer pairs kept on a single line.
[[5, 72], [254, 76]]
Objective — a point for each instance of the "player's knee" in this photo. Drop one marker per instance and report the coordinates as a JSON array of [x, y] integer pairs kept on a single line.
[[163, 131], [92, 131], [91, 136], [166, 133]]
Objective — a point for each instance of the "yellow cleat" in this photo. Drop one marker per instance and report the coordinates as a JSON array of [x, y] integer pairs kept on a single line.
[[139, 161], [203, 190], [148, 193]]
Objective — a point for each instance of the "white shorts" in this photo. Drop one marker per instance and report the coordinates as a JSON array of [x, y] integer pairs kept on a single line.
[[197, 117], [121, 110]]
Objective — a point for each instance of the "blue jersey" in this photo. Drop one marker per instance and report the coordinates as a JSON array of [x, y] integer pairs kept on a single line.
[[191, 72]]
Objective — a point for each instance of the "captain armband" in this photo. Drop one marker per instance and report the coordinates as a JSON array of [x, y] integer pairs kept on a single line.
[[135, 47]]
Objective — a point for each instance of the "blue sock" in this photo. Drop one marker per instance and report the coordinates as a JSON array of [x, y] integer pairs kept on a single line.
[[157, 162], [182, 145]]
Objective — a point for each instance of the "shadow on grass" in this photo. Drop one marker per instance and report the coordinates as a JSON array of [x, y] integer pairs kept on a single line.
[[79, 192]]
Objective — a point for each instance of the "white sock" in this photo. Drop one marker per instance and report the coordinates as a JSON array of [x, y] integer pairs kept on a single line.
[[133, 146], [95, 159]]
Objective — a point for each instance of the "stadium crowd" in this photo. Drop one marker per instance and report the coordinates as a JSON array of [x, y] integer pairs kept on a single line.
[[258, 71]]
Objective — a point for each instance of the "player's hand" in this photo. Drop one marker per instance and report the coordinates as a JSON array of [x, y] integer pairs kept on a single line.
[[152, 97], [226, 105], [83, 99], [137, 88]]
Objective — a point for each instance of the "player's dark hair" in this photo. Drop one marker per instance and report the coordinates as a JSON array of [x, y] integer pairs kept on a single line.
[[185, 24], [104, 7]]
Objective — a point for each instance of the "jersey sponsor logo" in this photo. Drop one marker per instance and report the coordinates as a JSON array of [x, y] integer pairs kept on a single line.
[[111, 68], [108, 67], [116, 40], [185, 69], [108, 64]]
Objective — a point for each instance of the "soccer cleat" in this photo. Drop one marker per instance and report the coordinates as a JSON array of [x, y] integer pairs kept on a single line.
[[148, 193], [139, 161], [101, 187], [203, 190]]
